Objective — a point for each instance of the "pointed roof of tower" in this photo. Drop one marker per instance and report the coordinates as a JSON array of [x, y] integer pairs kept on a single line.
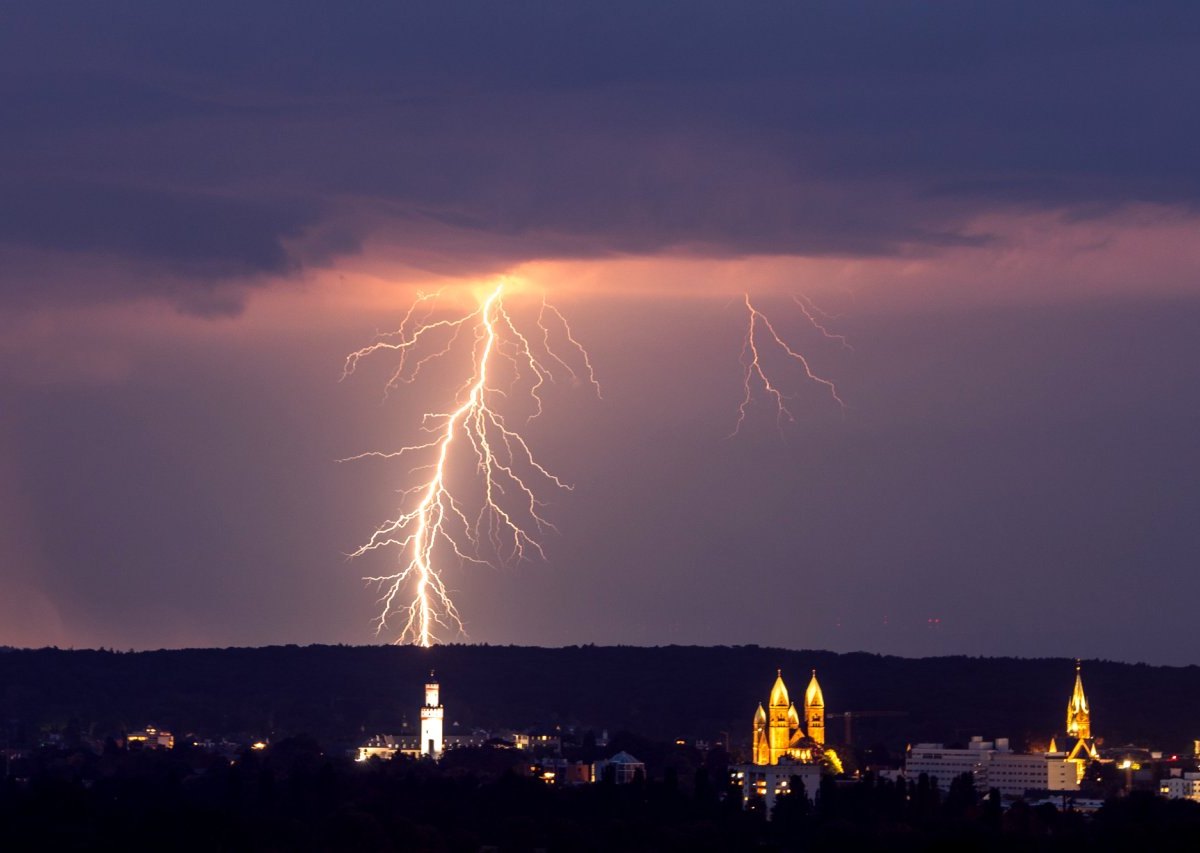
[[793, 717], [760, 716], [1078, 700], [779, 694], [813, 697]]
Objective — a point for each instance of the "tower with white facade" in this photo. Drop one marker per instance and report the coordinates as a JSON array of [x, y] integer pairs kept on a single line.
[[432, 714]]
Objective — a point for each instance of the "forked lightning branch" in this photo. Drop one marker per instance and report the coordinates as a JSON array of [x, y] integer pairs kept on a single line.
[[499, 513], [472, 492]]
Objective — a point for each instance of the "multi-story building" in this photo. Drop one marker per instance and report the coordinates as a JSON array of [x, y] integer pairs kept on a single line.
[[543, 740], [1184, 787], [1015, 773], [993, 764], [386, 746], [943, 763], [766, 783]]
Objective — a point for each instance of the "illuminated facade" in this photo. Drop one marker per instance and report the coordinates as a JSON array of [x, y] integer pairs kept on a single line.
[[432, 715], [151, 738], [386, 746], [409, 744], [560, 771], [1186, 786], [942, 764], [1013, 773]]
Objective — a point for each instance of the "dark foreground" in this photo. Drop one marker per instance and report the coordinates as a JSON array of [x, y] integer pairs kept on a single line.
[[292, 796]]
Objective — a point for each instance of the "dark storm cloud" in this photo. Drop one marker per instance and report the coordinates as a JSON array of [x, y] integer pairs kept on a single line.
[[76, 101], [230, 140], [207, 235]]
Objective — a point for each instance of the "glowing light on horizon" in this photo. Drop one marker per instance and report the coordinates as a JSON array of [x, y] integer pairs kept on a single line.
[[760, 335], [437, 521]]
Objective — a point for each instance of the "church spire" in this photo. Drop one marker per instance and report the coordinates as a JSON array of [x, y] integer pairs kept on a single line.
[[813, 697], [779, 694], [814, 710], [1079, 718]]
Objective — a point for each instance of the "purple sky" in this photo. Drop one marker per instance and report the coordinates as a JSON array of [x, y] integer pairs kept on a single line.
[[204, 208]]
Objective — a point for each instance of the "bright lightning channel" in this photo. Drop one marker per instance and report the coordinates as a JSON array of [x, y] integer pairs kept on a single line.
[[762, 336], [435, 520]]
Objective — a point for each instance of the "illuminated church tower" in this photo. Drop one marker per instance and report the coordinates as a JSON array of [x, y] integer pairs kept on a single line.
[[779, 733], [1079, 719], [431, 720], [814, 710], [773, 727], [1079, 727]]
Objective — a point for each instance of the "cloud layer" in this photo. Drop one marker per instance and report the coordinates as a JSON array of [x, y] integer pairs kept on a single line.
[[226, 143]]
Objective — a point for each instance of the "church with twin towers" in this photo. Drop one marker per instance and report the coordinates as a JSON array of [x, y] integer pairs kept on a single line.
[[779, 730]]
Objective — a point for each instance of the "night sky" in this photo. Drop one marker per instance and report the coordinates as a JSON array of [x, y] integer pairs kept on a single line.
[[204, 207]]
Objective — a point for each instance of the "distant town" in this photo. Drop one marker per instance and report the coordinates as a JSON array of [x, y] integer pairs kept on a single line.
[[788, 756], [784, 753], [796, 761]]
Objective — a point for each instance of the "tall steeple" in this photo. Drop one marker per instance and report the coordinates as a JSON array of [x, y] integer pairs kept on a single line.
[[814, 710], [1079, 727], [1079, 718], [779, 733]]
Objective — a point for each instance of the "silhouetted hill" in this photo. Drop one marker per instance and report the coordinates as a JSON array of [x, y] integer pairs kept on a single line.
[[340, 692]]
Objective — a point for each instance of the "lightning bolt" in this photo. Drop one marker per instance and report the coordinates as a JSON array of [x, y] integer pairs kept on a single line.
[[761, 335], [810, 312], [504, 513]]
